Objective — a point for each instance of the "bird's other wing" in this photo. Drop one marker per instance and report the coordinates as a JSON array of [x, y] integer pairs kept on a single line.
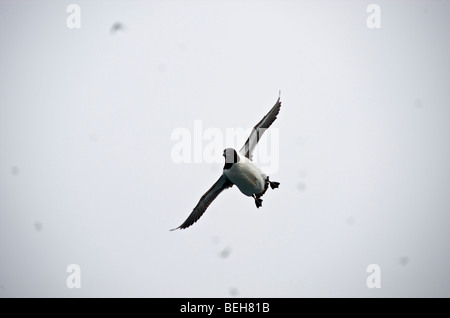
[[220, 185], [259, 129]]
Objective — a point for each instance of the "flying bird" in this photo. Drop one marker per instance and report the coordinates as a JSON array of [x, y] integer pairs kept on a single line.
[[240, 170]]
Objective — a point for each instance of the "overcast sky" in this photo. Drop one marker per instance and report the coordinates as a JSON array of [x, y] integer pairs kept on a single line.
[[361, 148]]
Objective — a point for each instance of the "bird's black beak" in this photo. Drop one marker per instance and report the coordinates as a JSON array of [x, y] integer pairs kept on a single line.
[[223, 153]]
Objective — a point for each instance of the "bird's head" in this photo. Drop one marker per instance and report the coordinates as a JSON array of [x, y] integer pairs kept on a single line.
[[231, 156]]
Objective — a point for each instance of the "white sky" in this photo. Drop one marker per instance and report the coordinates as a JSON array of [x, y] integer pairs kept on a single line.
[[87, 176]]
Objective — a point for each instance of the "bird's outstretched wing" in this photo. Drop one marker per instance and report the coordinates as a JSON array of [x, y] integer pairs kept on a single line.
[[259, 129], [220, 185]]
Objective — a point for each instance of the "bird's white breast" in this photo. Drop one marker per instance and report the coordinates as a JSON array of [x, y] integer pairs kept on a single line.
[[246, 176]]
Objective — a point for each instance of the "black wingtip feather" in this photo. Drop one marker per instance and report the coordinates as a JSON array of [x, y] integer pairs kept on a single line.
[[260, 127], [204, 202]]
